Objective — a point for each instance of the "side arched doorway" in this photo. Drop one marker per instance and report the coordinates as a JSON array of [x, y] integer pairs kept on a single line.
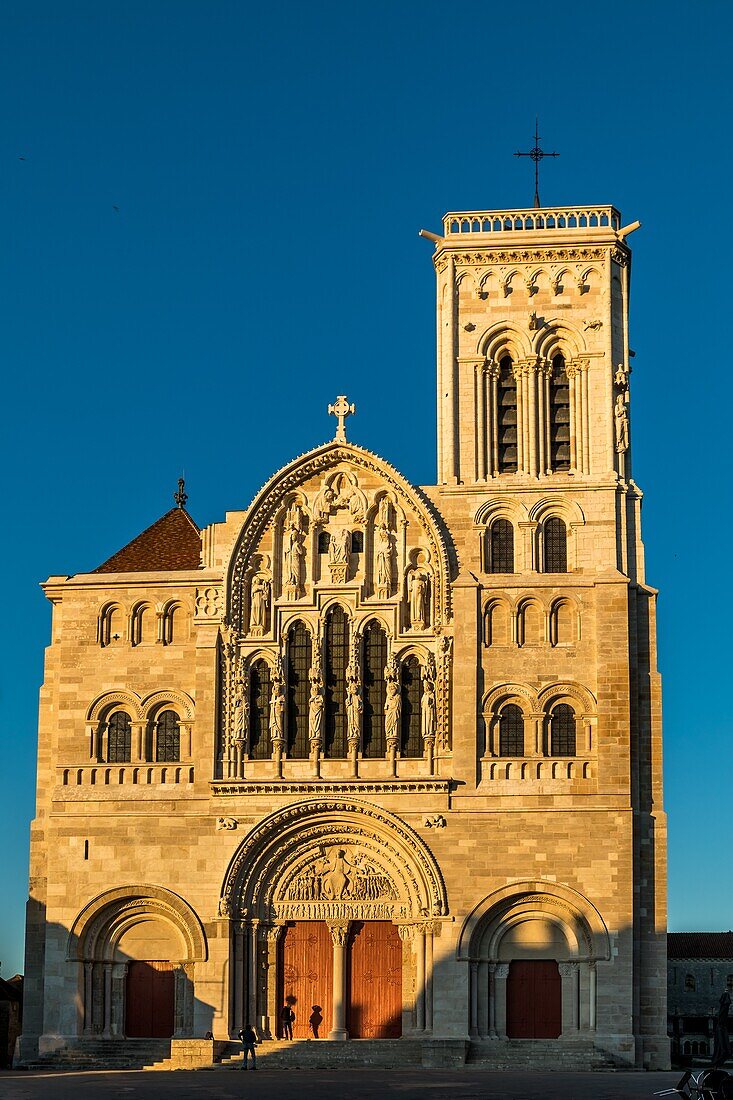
[[532, 949], [337, 904], [138, 947]]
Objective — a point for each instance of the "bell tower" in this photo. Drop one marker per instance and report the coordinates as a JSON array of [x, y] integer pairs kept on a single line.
[[533, 356]]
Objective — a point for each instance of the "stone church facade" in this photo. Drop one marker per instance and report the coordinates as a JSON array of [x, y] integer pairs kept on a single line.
[[390, 754]]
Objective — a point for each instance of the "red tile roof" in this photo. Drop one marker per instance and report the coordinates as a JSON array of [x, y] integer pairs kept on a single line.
[[172, 542], [700, 945]]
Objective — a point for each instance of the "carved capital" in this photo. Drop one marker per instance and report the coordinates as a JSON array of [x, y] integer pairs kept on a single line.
[[502, 971], [406, 932], [566, 969], [339, 930], [273, 933]]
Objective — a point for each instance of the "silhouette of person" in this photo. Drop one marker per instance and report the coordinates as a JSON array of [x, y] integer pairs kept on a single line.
[[316, 1019], [287, 1017], [249, 1041]]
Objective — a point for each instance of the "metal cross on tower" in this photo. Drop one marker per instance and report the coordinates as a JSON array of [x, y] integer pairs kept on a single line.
[[181, 496], [536, 154], [341, 409]]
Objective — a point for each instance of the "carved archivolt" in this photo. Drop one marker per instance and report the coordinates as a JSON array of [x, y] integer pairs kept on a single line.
[[510, 691], [177, 699], [568, 689], [104, 703], [323, 859], [101, 922]]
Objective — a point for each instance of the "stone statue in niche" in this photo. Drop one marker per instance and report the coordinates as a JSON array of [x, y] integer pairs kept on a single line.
[[354, 706], [621, 422], [383, 550], [259, 605], [277, 711], [393, 713], [339, 549], [293, 550], [428, 710], [341, 490], [418, 590], [315, 704]]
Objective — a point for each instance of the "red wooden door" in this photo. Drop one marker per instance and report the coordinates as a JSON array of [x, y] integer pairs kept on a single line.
[[534, 1000], [374, 981], [306, 978], [149, 1001]]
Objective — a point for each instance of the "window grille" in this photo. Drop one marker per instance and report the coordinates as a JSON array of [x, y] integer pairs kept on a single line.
[[411, 740], [375, 690], [506, 399], [555, 546], [511, 731], [299, 662], [501, 547], [562, 731], [167, 738], [337, 658], [259, 711], [119, 738], [559, 416]]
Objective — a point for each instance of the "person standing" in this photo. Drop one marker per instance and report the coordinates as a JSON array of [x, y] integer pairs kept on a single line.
[[249, 1042], [287, 1016]]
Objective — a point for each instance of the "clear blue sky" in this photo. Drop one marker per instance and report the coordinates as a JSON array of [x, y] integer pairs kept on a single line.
[[272, 165]]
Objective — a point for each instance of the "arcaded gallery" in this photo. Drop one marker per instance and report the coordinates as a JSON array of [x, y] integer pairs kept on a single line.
[[388, 754]]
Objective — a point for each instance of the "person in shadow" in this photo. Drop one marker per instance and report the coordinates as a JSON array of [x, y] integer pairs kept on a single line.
[[249, 1042], [287, 1018], [316, 1019]]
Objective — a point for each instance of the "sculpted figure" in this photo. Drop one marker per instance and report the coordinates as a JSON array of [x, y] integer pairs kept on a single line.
[[259, 604], [277, 711], [384, 559], [335, 874], [621, 421], [393, 712], [354, 708], [315, 714], [418, 598], [339, 547], [428, 710]]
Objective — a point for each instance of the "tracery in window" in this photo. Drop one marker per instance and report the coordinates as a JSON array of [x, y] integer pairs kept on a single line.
[[337, 658], [501, 547], [259, 710], [411, 739], [562, 731], [375, 691], [167, 737], [119, 738], [299, 662], [555, 546], [559, 416], [511, 731], [506, 397]]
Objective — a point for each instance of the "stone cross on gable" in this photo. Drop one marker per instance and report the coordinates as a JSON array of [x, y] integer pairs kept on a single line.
[[341, 409]]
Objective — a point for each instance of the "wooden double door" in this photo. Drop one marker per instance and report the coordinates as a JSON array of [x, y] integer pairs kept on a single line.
[[149, 1000], [373, 980], [534, 999]]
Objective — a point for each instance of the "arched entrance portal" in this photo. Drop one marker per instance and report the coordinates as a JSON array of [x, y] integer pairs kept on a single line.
[[337, 903], [138, 946]]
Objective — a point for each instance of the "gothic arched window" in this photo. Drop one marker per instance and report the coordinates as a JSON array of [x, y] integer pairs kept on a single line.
[[411, 740], [511, 731], [375, 690], [559, 416], [167, 737], [506, 399], [299, 663], [555, 538], [501, 547], [259, 710], [119, 738], [562, 731], [337, 658]]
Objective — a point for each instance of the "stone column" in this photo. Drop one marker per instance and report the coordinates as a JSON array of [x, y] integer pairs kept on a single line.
[[340, 936], [483, 998], [586, 418], [273, 936], [429, 935], [481, 416], [547, 374], [568, 995], [107, 1000], [88, 997], [592, 995], [495, 421], [473, 986], [500, 976], [240, 931], [252, 976], [406, 933], [420, 979], [533, 743], [532, 418], [541, 419], [572, 372], [492, 1000], [518, 374], [138, 742]]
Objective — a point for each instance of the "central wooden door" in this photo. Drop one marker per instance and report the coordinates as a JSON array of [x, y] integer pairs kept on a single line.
[[374, 981], [534, 1000], [306, 978], [149, 1000]]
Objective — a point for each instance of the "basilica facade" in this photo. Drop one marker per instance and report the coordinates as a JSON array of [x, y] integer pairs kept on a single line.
[[390, 754]]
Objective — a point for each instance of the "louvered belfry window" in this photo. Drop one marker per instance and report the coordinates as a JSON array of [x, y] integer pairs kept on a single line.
[[299, 663], [511, 731], [559, 416], [167, 737], [501, 547], [411, 741], [375, 691], [506, 397], [337, 658], [556, 546], [119, 738], [259, 711], [562, 731]]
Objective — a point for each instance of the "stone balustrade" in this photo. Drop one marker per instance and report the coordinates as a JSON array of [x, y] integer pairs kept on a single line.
[[531, 220], [107, 775]]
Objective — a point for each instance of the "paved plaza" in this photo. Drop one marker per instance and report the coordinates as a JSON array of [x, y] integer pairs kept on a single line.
[[465, 1084]]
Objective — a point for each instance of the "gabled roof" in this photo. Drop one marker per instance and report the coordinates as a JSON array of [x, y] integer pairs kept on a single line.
[[700, 945], [172, 542]]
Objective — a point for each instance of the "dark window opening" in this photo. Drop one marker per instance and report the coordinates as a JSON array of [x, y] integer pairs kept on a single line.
[[259, 711], [299, 663], [167, 738], [506, 397], [511, 731], [411, 740], [501, 547], [375, 690], [337, 658], [357, 542], [559, 416], [562, 731], [323, 542], [119, 738], [556, 546]]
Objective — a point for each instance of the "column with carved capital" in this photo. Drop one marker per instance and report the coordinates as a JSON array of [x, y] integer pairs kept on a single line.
[[532, 465], [493, 419], [492, 1000], [500, 978], [88, 998], [272, 936], [107, 1000], [571, 372], [340, 936], [240, 930], [473, 987], [252, 1016], [569, 998], [481, 447], [592, 1008]]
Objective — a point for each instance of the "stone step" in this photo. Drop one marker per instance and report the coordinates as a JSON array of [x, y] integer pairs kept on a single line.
[[539, 1054], [330, 1054]]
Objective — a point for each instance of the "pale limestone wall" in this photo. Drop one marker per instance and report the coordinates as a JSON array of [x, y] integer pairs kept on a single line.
[[600, 834]]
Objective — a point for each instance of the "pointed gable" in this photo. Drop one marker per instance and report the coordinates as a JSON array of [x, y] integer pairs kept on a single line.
[[172, 542]]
